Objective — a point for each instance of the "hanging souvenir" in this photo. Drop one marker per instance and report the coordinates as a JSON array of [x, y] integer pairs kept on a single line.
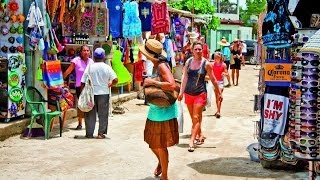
[[101, 23], [13, 6], [15, 94], [131, 26], [160, 18], [145, 15], [87, 21], [13, 79], [115, 21]]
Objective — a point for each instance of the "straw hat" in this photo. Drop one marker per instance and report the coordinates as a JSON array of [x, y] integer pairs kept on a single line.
[[152, 49], [224, 42], [193, 35]]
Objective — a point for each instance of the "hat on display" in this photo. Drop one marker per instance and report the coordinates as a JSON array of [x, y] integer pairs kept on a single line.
[[152, 49], [224, 42], [99, 53], [269, 140]]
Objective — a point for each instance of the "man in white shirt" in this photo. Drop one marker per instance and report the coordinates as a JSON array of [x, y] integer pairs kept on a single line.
[[103, 77], [244, 51]]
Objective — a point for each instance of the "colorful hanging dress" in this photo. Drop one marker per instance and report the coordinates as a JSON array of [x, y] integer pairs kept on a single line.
[[123, 74], [115, 17], [131, 21], [160, 18]]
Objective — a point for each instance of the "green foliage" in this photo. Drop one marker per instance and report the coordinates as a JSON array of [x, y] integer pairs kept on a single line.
[[254, 7], [198, 7]]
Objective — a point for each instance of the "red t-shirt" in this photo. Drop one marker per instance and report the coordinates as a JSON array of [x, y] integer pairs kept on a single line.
[[218, 70]]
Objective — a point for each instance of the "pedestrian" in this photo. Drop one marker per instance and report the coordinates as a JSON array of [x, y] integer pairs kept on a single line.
[[244, 51], [193, 88], [103, 78], [236, 53], [79, 64], [226, 56], [220, 70], [161, 128]]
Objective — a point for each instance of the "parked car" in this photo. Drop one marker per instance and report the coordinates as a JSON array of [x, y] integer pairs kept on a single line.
[[250, 58]]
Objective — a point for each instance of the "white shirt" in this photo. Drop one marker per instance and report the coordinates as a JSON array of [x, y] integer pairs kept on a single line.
[[101, 74], [244, 48]]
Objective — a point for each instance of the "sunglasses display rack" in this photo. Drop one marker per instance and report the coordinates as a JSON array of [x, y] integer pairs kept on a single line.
[[304, 115]]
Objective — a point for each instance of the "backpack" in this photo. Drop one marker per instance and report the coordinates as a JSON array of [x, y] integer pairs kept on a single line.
[[86, 98]]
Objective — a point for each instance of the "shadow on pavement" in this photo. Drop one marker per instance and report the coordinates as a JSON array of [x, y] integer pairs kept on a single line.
[[237, 166]]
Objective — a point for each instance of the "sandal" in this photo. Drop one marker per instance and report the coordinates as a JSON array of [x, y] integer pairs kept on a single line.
[[218, 115], [191, 148], [101, 136], [79, 127], [158, 170]]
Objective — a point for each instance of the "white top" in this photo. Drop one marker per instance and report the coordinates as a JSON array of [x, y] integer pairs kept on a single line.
[[101, 74], [244, 47], [148, 65]]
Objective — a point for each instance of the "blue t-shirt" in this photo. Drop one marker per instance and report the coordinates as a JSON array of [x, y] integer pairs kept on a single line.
[[145, 15], [226, 52]]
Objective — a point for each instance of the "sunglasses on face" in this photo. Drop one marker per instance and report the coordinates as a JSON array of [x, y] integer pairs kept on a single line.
[[295, 92], [312, 62]]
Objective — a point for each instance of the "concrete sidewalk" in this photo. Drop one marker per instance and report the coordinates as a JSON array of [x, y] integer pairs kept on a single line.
[[16, 127]]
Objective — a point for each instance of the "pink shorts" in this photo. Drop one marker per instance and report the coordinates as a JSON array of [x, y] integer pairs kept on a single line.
[[200, 99]]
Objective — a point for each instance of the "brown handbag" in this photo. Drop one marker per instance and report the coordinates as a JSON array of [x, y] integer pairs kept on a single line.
[[163, 98]]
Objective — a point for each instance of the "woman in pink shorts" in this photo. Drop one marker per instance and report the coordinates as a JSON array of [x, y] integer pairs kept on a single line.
[[193, 87]]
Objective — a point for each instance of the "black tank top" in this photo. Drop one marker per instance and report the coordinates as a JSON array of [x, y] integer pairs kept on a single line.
[[196, 79]]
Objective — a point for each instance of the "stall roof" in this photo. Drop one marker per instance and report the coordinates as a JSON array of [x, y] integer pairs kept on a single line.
[[181, 12]]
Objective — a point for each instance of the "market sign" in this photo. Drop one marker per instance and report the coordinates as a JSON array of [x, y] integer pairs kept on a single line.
[[277, 73], [16, 94]]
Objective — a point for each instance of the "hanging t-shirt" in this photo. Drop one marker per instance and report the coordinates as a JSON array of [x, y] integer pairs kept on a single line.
[[115, 17], [145, 15], [160, 18], [131, 21]]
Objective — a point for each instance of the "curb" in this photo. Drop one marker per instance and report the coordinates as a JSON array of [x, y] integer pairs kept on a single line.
[[17, 127]]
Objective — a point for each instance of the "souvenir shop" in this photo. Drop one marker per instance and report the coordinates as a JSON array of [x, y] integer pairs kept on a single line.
[[55, 30], [288, 49]]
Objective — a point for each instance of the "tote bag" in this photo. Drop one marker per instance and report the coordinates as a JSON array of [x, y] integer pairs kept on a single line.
[[86, 99], [52, 73]]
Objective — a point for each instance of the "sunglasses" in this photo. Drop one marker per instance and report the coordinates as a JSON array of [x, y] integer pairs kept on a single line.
[[312, 102], [309, 141], [311, 148], [307, 77], [308, 109], [310, 55], [313, 83], [306, 116], [310, 70], [312, 62], [311, 154], [307, 123], [298, 127], [308, 134], [312, 90], [296, 67], [309, 96]]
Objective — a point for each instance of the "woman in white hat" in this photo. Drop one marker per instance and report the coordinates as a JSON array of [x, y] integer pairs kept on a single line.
[[236, 53], [161, 129]]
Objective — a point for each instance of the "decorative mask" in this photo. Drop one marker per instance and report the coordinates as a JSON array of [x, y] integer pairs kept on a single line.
[[19, 39], [20, 49], [11, 39], [12, 49], [19, 29], [12, 29], [4, 49], [13, 18], [4, 30], [20, 18], [13, 6]]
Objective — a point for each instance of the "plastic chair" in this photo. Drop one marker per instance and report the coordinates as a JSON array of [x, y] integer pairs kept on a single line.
[[38, 109]]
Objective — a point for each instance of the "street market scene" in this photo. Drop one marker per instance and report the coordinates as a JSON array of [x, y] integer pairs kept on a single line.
[[159, 89]]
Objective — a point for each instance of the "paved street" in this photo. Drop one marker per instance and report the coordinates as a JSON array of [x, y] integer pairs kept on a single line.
[[124, 154]]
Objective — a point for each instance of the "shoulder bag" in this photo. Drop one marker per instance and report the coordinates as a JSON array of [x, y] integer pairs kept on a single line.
[[86, 98]]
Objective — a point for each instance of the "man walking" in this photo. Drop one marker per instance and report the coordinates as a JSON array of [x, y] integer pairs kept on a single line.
[[103, 77]]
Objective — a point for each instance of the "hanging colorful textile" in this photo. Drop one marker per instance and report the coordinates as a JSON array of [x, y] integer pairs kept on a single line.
[[115, 21], [160, 18], [145, 15], [276, 28], [123, 74], [52, 73], [87, 21], [131, 22]]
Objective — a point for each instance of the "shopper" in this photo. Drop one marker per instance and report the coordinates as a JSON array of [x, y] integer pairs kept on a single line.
[[161, 129], [226, 56], [79, 64], [243, 51], [103, 77], [220, 70], [193, 88], [237, 56]]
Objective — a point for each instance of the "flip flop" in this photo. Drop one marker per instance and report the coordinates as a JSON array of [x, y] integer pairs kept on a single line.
[[158, 170], [218, 115], [191, 148]]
